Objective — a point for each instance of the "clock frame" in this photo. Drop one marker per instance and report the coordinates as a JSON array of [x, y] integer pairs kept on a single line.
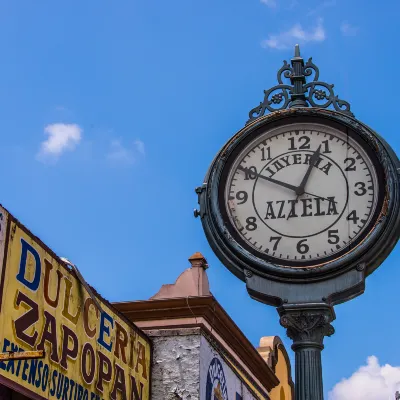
[[369, 249]]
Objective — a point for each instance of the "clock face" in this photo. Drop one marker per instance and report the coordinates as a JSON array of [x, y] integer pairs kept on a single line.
[[301, 194]]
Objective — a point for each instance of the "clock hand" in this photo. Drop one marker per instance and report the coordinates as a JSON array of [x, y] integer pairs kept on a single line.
[[313, 160], [286, 185], [319, 197]]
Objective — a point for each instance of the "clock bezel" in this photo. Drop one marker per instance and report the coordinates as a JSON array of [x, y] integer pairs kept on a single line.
[[382, 233], [252, 137]]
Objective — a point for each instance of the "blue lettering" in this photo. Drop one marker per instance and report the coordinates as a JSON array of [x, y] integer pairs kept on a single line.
[[24, 376], [80, 392], [60, 385], [72, 383], [39, 378], [53, 381], [19, 362], [32, 371], [11, 363], [45, 377], [6, 345], [105, 329], [65, 391], [34, 285]]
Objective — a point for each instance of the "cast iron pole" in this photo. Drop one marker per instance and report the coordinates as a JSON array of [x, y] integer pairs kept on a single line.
[[307, 325]]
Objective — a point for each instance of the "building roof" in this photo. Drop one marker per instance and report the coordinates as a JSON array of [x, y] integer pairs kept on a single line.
[[188, 303]]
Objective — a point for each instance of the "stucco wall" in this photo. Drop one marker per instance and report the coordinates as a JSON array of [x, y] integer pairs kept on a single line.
[[176, 365], [283, 391], [186, 367]]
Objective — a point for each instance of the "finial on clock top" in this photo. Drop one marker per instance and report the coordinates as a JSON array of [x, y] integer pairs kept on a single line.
[[299, 93]]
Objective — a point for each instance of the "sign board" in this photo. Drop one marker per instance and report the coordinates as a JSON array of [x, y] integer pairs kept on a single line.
[[89, 353], [222, 380]]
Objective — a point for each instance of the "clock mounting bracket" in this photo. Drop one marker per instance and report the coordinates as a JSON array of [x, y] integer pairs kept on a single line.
[[336, 290]]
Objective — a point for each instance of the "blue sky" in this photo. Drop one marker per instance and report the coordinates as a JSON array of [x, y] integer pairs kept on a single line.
[[111, 112]]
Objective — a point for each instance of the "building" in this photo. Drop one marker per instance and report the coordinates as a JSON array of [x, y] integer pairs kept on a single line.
[[199, 352], [59, 339]]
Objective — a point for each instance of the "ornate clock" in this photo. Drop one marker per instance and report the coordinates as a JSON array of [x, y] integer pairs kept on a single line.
[[302, 204], [302, 194]]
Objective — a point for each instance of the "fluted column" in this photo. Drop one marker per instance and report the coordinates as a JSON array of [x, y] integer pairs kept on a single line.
[[307, 325]]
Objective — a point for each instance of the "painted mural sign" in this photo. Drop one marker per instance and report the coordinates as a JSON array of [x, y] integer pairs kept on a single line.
[[216, 381], [219, 380], [90, 354]]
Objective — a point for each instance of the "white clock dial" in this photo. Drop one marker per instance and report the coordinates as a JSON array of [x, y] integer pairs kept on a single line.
[[301, 193]]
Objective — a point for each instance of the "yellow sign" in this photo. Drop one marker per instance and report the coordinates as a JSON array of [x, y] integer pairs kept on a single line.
[[90, 354]]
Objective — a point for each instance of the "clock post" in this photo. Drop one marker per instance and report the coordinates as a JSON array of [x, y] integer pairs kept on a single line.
[[307, 325], [302, 204]]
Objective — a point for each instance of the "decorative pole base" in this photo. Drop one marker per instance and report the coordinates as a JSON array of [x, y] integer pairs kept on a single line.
[[307, 325]]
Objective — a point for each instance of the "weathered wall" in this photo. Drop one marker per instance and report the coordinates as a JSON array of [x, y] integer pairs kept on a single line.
[[186, 367], [176, 364]]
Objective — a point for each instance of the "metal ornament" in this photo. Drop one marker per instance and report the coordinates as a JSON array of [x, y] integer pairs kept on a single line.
[[300, 93], [304, 296]]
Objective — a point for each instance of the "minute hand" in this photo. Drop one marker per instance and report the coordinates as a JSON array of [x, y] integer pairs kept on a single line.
[[286, 185], [313, 160]]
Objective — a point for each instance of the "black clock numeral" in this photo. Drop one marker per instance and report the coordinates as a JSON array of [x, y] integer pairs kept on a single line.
[[326, 147], [353, 217], [277, 239], [332, 237], [250, 173], [304, 142], [268, 153], [251, 223], [362, 190], [242, 196], [351, 166], [302, 247]]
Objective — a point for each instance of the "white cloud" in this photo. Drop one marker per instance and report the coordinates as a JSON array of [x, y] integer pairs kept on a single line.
[[139, 146], [348, 29], [61, 137], [124, 155], [294, 35], [370, 382], [269, 3]]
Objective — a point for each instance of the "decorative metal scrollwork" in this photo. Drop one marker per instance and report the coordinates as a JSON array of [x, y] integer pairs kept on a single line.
[[299, 94]]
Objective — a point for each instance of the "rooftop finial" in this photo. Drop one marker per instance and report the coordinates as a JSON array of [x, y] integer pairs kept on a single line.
[[297, 50], [299, 93]]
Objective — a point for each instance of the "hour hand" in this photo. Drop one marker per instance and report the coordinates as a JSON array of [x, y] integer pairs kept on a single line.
[[284, 184], [313, 160]]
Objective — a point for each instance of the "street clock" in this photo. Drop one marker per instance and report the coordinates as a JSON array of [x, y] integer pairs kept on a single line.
[[302, 194], [302, 204]]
